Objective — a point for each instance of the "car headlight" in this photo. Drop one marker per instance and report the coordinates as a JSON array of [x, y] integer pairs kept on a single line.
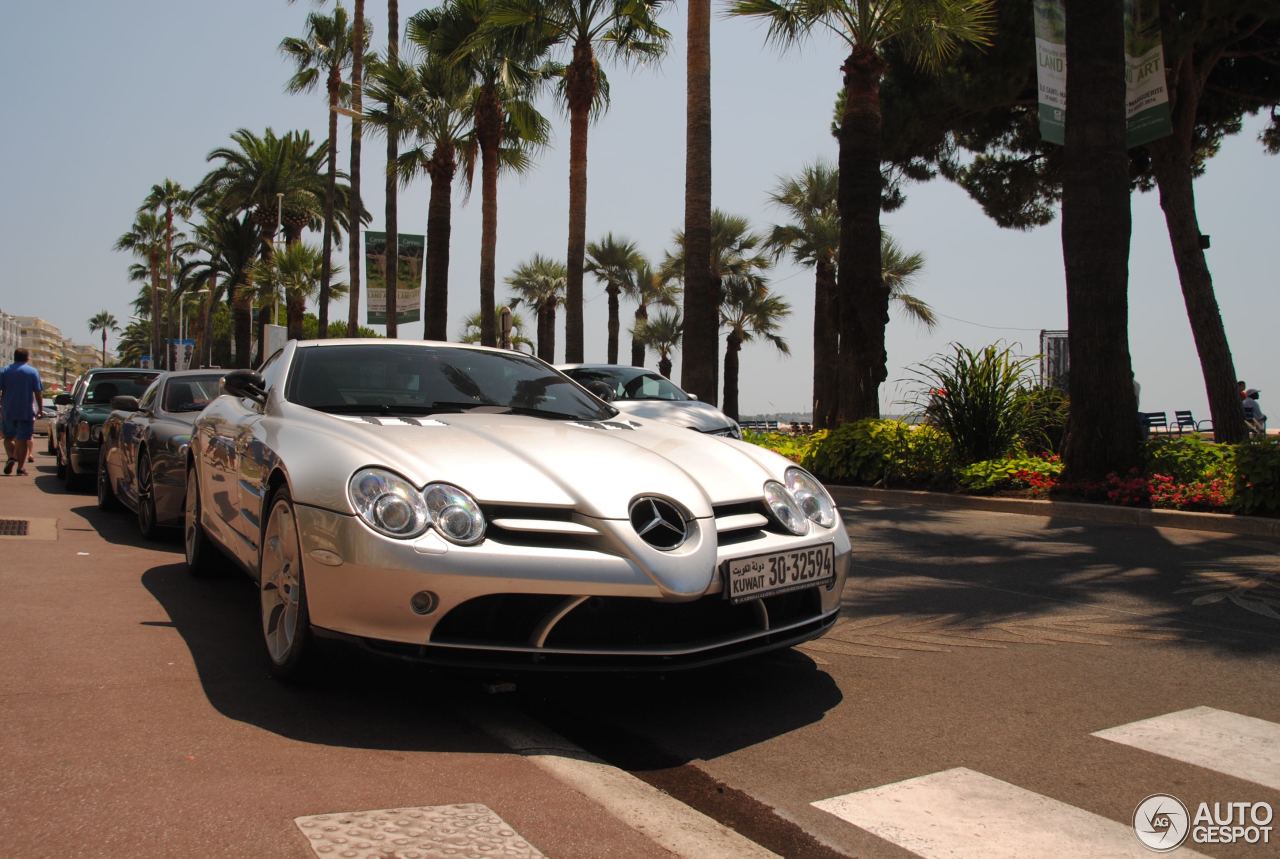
[[785, 509], [455, 514], [812, 497], [82, 432], [388, 503]]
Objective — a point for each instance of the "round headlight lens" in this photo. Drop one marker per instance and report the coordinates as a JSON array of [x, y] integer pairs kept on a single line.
[[456, 514], [812, 497], [784, 508], [388, 503]]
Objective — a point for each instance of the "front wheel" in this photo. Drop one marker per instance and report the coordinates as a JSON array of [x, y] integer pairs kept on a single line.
[[146, 498], [106, 495], [286, 624], [200, 551]]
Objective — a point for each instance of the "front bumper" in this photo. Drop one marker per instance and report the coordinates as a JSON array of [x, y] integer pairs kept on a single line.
[[84, 458], [531, 601]]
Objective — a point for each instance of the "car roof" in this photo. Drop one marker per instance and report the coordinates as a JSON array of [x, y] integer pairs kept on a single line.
[[385, 342], [97, 370]]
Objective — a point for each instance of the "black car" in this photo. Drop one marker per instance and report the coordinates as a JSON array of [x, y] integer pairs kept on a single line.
[[80, 429]]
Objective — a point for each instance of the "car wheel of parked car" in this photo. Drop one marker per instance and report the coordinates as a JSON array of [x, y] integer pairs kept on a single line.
[[286, 624], [106, 495], [48, 442], [200, 551], [146, 498], [71, 477]]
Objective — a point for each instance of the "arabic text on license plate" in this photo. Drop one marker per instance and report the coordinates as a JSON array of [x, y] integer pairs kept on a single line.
[[765, 575]]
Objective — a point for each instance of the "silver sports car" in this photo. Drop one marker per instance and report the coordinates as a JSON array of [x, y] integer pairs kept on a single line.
[[143, 459], [473, 506]]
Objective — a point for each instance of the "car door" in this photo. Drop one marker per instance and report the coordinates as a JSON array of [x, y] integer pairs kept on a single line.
[[133, 434]]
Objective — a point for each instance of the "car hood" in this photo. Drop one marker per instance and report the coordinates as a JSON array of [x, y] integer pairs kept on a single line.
[[94, 413], [693, 414], [596, 467]]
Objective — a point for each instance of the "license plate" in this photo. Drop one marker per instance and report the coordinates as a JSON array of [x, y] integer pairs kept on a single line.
[[778, 573]]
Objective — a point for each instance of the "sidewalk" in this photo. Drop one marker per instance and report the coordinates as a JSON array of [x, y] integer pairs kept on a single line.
[[140, 721], [1248, 526]]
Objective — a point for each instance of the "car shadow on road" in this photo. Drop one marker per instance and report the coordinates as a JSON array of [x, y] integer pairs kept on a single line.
[[365, 701], [1199, 590]]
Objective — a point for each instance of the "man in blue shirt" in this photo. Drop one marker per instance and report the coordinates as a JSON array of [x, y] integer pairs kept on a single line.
[[20, 401]]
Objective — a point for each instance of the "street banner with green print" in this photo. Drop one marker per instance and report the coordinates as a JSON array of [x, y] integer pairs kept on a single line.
[[410, 252], [1147, 93]]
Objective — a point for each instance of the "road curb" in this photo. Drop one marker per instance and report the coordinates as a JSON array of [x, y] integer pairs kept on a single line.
[[1224, 523]]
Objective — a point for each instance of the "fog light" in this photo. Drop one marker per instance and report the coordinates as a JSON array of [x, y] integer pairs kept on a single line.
[[423, 602]]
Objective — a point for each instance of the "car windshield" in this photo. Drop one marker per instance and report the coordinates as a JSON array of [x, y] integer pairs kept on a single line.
[[190, 393], [420, 380], [629, 384], [102, 387]]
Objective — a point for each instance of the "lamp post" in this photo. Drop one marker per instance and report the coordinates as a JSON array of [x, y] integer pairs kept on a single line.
[[275, 302], [182, 315]]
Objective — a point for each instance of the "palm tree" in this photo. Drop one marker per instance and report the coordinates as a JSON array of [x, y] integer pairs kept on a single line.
[[103, 321], [471, 330], [294, 272], [662, 333], [540, 283], [736, 252], [395, 129], [327, 48], [613, 261], [928, 31], [175, 201], [133, 344], [647, 287], [146, 239], [749, 311], [700, 369], [221, 254], [899, 270], [500, 69], [436, 116], [625, 29], [813, 238]]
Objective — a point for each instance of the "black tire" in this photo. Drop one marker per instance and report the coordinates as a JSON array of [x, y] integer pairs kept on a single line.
[[48, 443], [291, 658], [202, 555], [147, 526], [106, 495]]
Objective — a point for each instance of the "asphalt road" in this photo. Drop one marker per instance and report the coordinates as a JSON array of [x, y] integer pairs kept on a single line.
[[980, 647]]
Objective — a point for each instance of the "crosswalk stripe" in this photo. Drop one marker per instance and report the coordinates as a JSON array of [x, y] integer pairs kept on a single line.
[[963, 814], [1240, 746]]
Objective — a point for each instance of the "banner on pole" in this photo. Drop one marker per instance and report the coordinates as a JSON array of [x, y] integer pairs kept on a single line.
[[410, 252], [180, 354], [1147, 94]]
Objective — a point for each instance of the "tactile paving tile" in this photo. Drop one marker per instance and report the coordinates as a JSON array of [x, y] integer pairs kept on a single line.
[[468, 831]]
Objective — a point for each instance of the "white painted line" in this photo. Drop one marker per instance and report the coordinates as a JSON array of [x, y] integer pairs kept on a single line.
[[440, 830], [684, 831], [1239, 746], [962, 814]]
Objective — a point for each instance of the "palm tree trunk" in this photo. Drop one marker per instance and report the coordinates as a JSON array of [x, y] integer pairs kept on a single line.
[[1171, 160], [699, 368], [826, 346], [612, 292], [295, 309], [489, 131], [732, 346], [326, 247], [439, 230], [392, 257], [637, 345], [547, 333], [664, 365], [157, 343], [168, 278], [1102, 435], [863, 297], [242, 317], [581, 84], [353, 212], [204, 331], [104, 347], [264, 319]]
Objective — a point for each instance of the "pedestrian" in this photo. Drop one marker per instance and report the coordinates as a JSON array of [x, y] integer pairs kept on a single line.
[[1240, 389], [1253, 416], [20, 389]]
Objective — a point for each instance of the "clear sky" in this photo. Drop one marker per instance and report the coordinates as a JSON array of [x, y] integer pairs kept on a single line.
[[106, 99]]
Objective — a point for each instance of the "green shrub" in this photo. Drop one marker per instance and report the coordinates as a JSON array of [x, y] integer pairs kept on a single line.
[[979, 399], [882, 452], [1257, 483], [1047, 410], [793, 447], [1188, 459], [1015, 472]]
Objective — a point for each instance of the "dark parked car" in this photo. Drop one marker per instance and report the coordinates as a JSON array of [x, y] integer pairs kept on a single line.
[[80, 429], [142, 463]]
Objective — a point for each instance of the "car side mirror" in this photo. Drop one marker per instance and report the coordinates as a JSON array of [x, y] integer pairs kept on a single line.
[[603, 390], [62, 400], [124, 403], [693, 396], [245, 383]]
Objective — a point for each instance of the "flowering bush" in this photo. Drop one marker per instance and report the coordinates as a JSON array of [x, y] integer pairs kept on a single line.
[[1211, 495], [882, 453], [1037, 473], [1131, 490], [793, 447]]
